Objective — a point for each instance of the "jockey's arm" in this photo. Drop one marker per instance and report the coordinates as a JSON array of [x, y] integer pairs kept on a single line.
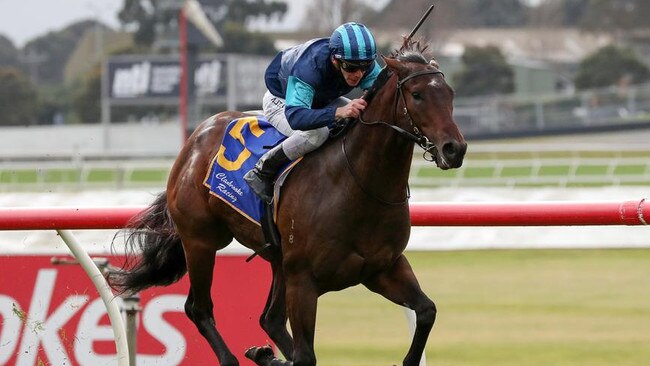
[[299, 98]]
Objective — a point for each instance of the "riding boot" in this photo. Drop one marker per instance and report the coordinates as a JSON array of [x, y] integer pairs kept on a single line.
[[260, 178]]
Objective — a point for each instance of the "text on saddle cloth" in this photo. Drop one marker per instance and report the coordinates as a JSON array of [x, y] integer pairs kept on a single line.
[[245, 140]]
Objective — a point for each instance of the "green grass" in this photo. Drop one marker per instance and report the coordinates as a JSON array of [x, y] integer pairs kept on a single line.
[[66, 176], [62, 176], [149, 175], [554, 170], [503, 307], [102, 175], [516, 171], [19, 176], [477, 172], [591, 170], [629, 169]]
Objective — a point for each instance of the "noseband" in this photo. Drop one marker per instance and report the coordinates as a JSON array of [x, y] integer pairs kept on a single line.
[[416, 136]]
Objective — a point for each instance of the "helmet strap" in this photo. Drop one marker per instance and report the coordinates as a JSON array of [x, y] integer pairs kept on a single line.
[[337, 64]]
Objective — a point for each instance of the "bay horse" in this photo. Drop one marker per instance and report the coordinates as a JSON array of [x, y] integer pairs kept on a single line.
[[343, 216]]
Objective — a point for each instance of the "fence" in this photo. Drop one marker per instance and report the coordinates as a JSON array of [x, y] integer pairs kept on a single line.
[[508, 165], [541, 165], [77, 173], [587, 110], [422, 214]]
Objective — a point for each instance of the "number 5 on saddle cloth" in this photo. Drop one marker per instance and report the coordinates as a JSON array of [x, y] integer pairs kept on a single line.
[[245, 140]]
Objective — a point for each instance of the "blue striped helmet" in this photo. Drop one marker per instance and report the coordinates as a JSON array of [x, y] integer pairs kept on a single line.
[[353, 41]]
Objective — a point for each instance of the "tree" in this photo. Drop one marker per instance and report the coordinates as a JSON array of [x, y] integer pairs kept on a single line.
[[52, 50], [455, 14], [86, 103], [609, 66], [18, 100], [8, 52], [228, 16], [485, 71], [239, 40]]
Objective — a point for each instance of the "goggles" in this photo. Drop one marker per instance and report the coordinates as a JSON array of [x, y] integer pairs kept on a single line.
[[354, 66]]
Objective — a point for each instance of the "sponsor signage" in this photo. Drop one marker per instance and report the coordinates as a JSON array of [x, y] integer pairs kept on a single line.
[[52, 315], [144, 77]]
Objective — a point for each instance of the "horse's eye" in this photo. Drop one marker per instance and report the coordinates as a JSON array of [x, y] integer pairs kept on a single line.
[[416, 96]]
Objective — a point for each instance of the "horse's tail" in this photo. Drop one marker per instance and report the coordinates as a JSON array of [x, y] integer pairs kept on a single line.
[[162, 262]]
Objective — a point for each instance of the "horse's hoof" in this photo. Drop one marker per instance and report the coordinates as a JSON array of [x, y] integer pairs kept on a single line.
[[259, 354]]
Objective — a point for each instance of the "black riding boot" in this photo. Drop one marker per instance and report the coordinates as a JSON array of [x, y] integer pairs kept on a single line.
[[260, 178]]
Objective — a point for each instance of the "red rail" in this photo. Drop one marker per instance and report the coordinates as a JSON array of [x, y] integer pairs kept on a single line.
[[530, 214], [66, 218], [422, 214]]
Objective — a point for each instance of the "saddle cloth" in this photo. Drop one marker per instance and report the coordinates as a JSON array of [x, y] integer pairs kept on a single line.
[[245, 140]]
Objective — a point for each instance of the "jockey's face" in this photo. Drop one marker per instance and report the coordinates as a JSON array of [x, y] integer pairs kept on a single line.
[[352, 78]]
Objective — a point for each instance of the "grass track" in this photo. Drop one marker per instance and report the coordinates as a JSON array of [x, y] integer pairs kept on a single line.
[[503, 307]]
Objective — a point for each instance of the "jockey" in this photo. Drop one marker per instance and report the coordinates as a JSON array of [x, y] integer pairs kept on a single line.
[[306, 84]]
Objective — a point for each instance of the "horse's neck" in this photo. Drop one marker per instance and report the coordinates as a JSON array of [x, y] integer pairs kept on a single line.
[[381, 158]]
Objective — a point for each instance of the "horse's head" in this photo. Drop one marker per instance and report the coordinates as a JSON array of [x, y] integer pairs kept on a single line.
[[423, 105]]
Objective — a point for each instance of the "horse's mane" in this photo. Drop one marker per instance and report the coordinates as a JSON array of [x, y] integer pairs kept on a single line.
[[410, 51]]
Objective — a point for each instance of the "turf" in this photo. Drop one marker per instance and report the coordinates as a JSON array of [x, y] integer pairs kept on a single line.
[[503, 307]]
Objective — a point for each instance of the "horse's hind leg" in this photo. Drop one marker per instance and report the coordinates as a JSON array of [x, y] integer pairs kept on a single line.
[[399, 285], [199, 256]]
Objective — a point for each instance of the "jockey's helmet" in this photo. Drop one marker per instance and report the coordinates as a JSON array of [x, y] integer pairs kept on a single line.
[[353, 42]]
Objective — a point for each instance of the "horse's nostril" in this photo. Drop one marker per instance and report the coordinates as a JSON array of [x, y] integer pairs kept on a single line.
[[453, 149], [449, 149]]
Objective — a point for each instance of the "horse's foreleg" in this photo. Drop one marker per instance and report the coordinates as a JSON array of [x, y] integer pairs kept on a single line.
[[200, 262], [274, 316], [399, 285], [302, 298]]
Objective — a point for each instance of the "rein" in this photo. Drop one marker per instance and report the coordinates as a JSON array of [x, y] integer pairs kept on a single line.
[[416, 136]]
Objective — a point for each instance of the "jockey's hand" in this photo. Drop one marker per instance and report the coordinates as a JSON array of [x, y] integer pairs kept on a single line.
[[352, 109]]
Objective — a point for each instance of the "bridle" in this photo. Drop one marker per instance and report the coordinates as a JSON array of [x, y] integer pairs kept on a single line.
[[415, 136]]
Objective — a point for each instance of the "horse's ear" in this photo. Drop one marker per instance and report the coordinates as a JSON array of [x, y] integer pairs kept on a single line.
[[393, 64]]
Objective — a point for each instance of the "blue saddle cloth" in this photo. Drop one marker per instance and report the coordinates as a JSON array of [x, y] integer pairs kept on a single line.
[[243, 144]]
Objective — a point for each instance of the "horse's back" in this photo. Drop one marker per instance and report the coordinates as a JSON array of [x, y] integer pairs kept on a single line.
[[193, 159]]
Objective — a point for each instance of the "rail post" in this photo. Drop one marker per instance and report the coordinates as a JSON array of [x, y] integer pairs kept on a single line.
[[104, 292]]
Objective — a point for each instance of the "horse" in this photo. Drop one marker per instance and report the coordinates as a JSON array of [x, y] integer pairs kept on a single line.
[[351, 230]]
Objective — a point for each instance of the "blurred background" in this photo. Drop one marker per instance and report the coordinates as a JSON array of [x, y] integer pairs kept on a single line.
[[519, 67]]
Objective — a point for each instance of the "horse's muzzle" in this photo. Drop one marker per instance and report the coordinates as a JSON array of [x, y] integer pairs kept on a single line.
[[451, 154]]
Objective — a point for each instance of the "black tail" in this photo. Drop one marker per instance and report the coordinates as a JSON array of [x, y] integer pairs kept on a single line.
[[151, 234]]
